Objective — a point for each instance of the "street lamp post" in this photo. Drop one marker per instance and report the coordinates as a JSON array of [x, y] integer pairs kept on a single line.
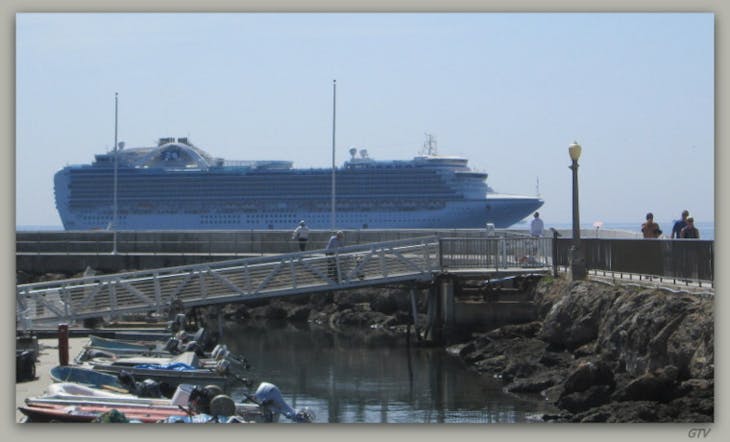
[[576, 260], [334, 114], [116, 166]]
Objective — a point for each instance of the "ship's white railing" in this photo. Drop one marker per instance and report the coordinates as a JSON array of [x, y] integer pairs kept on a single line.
[[230, 281]]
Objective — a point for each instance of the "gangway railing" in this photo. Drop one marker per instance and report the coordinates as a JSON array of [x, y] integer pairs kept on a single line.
[[227, 281], [231, 281]]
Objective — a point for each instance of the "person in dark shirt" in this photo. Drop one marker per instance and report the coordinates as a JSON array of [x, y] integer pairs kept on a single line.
[[680, 224], [690, 231]]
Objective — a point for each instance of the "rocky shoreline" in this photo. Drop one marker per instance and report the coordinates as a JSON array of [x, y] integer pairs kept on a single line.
[[607, 353]]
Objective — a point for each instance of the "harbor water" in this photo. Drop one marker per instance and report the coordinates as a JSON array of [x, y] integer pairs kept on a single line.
[[372, 377]]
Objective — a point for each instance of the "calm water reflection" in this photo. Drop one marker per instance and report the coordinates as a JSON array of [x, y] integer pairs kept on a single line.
[[373, 378]]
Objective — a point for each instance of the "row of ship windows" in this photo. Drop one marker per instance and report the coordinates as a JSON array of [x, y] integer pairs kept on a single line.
[[100, 218], [173, 192], [209, 220]]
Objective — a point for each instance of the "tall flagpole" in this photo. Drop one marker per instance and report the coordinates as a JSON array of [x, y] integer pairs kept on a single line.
[[116, 166], [334, 109]]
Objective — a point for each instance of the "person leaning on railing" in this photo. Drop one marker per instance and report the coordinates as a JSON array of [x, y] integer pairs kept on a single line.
[[690, 231]]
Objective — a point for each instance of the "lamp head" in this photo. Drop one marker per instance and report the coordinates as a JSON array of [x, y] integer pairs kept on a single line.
[[574, 151]]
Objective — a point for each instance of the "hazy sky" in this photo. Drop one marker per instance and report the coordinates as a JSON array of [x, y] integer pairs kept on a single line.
[[508, 91]]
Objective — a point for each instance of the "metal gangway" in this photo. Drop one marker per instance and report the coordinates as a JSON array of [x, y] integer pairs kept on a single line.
[[230, 281]]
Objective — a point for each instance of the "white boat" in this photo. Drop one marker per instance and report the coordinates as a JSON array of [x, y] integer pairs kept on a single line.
[[266, 405]]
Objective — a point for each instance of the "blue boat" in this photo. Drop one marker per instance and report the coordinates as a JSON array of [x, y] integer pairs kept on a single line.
[[177, 186]]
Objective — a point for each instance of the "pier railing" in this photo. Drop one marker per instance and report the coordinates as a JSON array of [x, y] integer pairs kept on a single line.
[[495, 253], [677, 260]]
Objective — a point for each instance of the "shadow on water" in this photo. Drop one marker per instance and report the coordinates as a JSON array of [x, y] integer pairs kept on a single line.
[[372, 377]]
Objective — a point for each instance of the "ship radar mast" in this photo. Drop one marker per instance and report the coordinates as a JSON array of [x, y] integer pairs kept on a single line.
[[429, 146]]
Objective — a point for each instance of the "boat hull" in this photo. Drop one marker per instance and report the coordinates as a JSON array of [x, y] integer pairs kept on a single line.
[[172, 378], [39, 412], [503, 212]]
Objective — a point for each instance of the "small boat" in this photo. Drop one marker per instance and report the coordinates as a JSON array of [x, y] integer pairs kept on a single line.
[[185, 368], [177, 343], [172, 375], [68, 402], [40, 412], [97, 350], [118, 345], [87, 377]]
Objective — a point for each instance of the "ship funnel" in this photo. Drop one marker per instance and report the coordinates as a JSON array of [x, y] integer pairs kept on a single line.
[[364, 153], [353, 152]]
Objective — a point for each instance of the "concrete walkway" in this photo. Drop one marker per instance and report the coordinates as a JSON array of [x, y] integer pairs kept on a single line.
[[47, 359]]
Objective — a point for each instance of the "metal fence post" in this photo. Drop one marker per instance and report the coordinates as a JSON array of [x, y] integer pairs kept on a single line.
[[441, 253], [555, 252]]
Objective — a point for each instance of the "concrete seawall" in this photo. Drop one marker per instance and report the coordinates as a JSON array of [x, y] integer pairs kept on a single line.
[[72, 252]]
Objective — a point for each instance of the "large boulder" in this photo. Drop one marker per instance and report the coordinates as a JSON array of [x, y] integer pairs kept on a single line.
[[588, 374], [579, 401], [658, 386], [575, 319], [651, 329]]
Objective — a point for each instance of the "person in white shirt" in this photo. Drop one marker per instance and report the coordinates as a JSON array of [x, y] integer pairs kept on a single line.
[[301, 233], [336, 241], [536, 226]]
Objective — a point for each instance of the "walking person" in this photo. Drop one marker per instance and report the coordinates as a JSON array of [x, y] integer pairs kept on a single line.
[[650, 229], [335, 242], [690, 231], [533, 246], [680, 224], [536, 226], [301, 234]]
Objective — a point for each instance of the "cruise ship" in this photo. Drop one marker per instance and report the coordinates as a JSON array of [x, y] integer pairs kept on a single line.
[[175, 185]]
